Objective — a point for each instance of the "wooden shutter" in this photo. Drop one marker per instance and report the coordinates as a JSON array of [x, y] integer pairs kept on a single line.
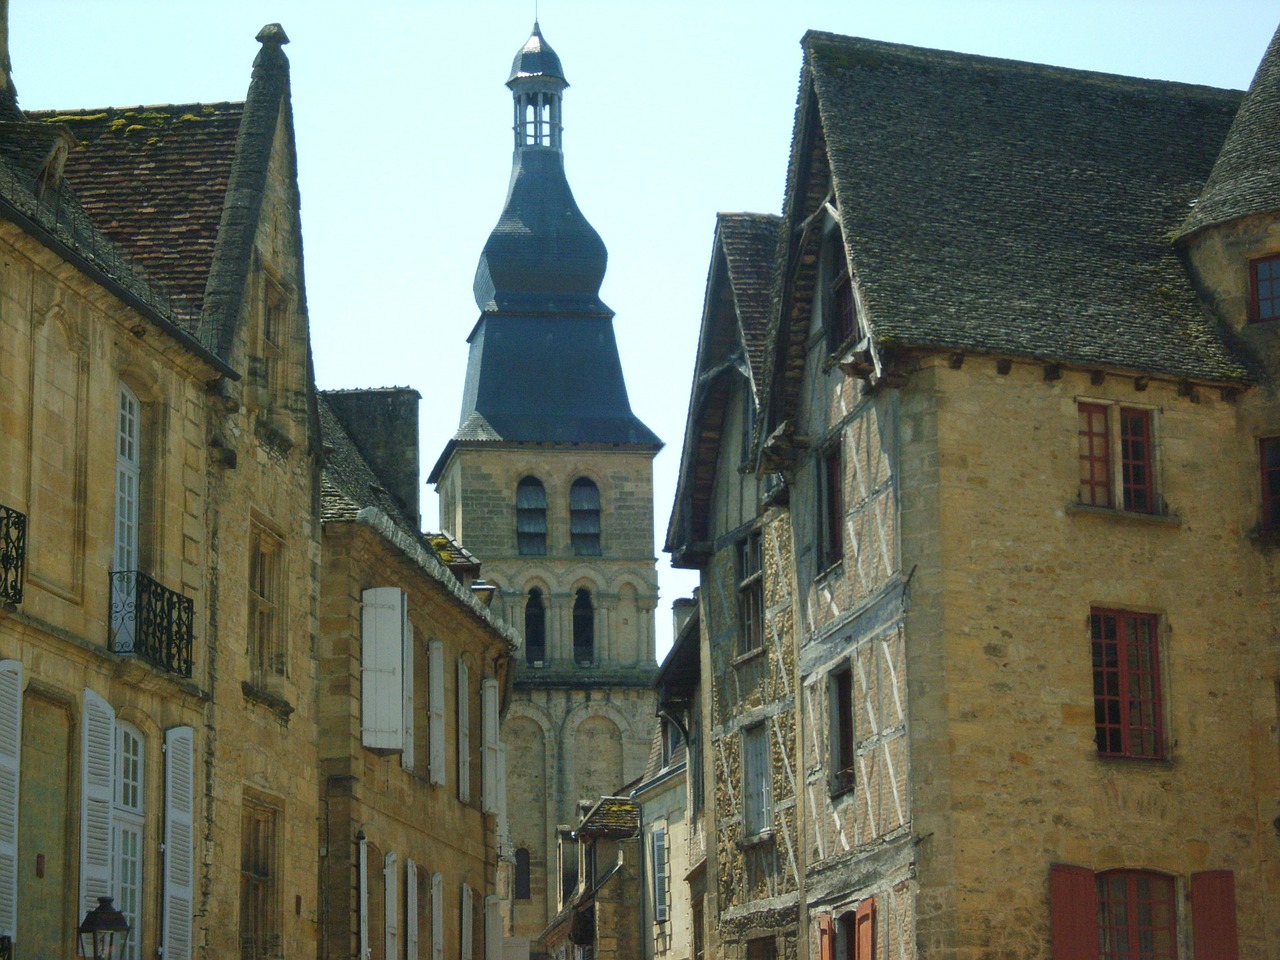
[[10, 779], [467, 923], [98, 736], [1213, 915], [489, 724], [492, 929], [410, 910], [826, 937], [179, 832], [1073, 912], [390, 907], [437, 917], [435, 697], [864, 931], [382, 646], [406, 659], [464, 731], [362, 873]]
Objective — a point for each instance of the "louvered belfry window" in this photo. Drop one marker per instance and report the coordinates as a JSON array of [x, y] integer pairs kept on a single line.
[[531, 518], [584, 518]]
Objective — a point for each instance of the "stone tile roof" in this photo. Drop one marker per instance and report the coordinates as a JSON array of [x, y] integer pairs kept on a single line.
[[1246, 176], [611, 817], [750, 245], [1018, 209], [154, 179]]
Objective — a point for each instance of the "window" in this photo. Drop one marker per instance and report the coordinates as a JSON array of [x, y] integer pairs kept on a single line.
[[127, 823], [1136, 917], [584, 518], [842, 743], [386, 672], [275, 306], [464, 731], [756, 788], [259, 910], [491, 760], [522, 876], [466, 940], [699, 941], [660, 870], [750, 594], [830, 507], [584, 629], [1264, 289], [535, 629], [1126, 684], [1098, 423], [128, 473], [1269, 460], [762, 948], [266, 608], [531, 518], [840, 313]]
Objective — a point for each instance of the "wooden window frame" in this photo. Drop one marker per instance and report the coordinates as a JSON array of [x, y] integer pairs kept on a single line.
[[1137, 460], [830, 475], [750, 563], [1127, 725], [268, 655], [259, 876], [1125, 897], [843, 743], [1116, 451], [756, 823], [1269, 474], [1263, 309], [840, 310]]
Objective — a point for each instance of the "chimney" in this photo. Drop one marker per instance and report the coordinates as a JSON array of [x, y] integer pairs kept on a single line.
[[681, 610], [383, 424]]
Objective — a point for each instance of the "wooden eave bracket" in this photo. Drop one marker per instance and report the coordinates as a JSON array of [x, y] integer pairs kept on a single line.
[[781, 449], [858, 361]]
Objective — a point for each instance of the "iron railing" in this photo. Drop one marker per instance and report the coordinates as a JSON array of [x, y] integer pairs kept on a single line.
[[151, 621], [13, 554]]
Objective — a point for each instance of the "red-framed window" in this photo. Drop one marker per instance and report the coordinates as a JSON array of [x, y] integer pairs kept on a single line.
[[1137, 916], [1269, 464], [1137, 477], [1126, 684], [830, 506], [842, 743], [1264, 289], [1095, 455]]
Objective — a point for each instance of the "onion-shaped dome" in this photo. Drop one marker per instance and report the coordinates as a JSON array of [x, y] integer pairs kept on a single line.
[[536, 59]]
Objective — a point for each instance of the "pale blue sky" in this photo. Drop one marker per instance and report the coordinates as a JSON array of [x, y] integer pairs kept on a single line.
[[675, 110]]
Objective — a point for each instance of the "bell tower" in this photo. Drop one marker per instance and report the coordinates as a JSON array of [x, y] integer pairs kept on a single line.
[[549, 481]]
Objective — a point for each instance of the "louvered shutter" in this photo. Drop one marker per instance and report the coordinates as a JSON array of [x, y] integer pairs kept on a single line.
[[660, 876], [492, 929], [1073, 912], [467, 923], [391, 904], [435, 696], [410, 910], [406, 658], [864, 931], [179, 831], [489, 724], [96, 766], [826, 937], [10, 778], [382, 646], [362, 874], [1213, 915], [437, 917], [464, 732]]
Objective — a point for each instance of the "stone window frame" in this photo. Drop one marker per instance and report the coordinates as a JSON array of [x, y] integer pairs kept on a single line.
[[585, 531], [1119, 467], [267, 603], [260, 912], [531, 517]]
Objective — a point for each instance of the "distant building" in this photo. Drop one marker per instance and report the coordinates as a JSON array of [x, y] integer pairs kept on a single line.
[[549, 480]]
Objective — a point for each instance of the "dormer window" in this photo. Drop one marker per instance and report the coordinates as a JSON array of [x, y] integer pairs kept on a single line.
[[839, 314], [1264, 289]]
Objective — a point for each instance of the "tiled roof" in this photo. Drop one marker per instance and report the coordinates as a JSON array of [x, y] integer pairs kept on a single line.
[[750, 244], [1246, 176], [154, 180], [1004, 207], [611, 817]]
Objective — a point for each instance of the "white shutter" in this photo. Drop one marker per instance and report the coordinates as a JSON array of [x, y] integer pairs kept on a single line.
[[391, 905], [467, 921], [410, 910], [362, 873], [382, 646], [464, 731], [489, 725], [179, 831], [492, 929], [406, 658], [437, 917], [435, 696], [97, 763], [10, 778]]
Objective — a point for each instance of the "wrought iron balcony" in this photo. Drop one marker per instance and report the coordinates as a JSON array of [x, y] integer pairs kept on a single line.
[[151, 621], [13, 554]]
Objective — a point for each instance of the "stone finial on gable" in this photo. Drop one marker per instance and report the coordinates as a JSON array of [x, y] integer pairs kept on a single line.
[[272, 35]]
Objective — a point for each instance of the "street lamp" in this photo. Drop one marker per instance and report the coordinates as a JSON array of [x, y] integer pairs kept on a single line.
[[103, 932]]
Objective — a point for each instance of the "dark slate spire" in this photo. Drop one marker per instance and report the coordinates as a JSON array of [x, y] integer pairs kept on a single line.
[[1246, 176], [544, 363]]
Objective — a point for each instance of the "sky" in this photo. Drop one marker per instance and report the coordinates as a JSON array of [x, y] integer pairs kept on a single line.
[[675, 110]]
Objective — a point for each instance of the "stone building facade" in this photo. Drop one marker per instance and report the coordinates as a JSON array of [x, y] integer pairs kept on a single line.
[[549, 479], [1015, 441]]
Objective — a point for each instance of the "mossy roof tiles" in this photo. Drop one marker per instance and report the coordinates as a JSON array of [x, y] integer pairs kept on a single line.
[[1018, 209]]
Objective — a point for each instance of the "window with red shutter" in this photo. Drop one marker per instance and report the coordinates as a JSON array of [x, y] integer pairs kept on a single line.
[[826, 937], [1213, 915], [1073, 912], [864, 931]]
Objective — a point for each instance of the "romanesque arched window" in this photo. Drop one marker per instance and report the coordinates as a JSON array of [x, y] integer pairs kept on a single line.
[[531, 518], [535, 627], [522, 881], [584, 518], [584, 628]]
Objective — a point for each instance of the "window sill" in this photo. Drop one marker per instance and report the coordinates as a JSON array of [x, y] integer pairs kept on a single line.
[[744, 658], [840, 791], [1268, 537], [763, 838], [832, 568], [1122, 759], [1126, 516], [277, 704]]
